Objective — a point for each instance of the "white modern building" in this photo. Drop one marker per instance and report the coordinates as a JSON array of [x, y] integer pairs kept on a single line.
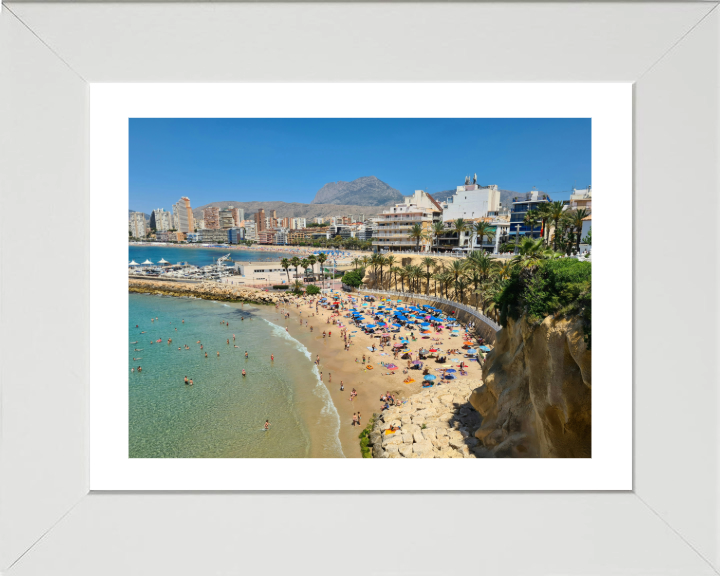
[[581, 199], [471, 201]]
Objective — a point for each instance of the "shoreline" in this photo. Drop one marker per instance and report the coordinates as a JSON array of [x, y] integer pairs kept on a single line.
[[370, 384], [336, 364]]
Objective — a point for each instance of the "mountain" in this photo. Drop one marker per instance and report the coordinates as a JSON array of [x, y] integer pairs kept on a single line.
[[365, 191], [294, 209]]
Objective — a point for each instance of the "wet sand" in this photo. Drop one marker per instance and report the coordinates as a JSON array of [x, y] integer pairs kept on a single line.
[[370, 384]]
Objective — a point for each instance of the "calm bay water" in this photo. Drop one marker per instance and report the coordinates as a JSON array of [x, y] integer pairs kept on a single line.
[[222, 414], [199, 256]]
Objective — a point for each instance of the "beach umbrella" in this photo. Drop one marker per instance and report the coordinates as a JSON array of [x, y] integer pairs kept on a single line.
[[133, 263], [386, 334], [416, 362], [391, 367], [430, 377], [398, 325], [467, 343], [472, 351], [433, 349], [485, 348], [398, 345], [423, 351], [147, 262], [450, 370], [451, 319]]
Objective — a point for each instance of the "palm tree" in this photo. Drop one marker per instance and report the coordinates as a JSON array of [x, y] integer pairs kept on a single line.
[[382, 261], [390, 262], [355, 262], [543, 213], [459, 226], [312, 259], [531, 220], [305, 263], [438, 228], [297, 286], [457, 269], [285, 263], [365, 260], [394, 271], [483, 229], [460, 286], [416, 233], [555, 212], [322, 258], [402, 272], [428, 262], [576, 218], [481, 267], [295, 261], [532, 252]]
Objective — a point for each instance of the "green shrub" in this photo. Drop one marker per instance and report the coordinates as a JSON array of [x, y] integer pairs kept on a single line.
[[354, 278], [365, 447], [312, 289], [560, 287]]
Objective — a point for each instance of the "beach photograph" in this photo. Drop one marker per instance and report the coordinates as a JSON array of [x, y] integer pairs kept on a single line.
[[360, 288]]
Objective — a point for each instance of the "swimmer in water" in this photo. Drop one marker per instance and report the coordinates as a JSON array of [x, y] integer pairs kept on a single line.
[[272, 358], [243, 373], [132, 369], [186, 380], [267, 424], [205, 354], [191, 382], [218, 354], [246, 355]]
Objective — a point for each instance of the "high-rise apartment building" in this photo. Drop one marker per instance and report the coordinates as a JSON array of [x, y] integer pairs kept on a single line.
[[160, 220], [138, 227], [182, 212], [260, 220], [226, 219], [211, 215], [273, 214], [238, 214]]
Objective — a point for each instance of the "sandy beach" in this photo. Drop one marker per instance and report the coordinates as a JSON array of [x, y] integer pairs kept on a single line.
[[370, 384]]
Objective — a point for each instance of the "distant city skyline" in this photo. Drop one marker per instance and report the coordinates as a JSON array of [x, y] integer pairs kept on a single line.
[[289, 160]]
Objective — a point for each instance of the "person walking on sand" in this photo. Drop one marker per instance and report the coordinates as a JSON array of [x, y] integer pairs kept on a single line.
[[358, 418], [354, 420], [342, 386]]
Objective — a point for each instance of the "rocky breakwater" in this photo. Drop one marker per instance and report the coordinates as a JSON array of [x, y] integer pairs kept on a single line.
[[206, 290], [436, 423], [536, 397]]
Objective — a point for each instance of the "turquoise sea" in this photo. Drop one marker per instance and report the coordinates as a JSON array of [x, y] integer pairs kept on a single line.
[[222, 414], [199, 256]]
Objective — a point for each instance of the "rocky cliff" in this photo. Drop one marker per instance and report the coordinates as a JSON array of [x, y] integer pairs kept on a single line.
[[535, 400], [368, 191]]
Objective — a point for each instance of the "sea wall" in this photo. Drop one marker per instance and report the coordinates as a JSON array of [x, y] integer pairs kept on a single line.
[[435, 423], [535, 400], [206, 290]]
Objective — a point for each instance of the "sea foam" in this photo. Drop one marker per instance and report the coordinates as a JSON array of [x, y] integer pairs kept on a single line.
[[320, 389]]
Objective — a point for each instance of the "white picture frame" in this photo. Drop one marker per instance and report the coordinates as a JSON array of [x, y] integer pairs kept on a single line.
[[49, 523]]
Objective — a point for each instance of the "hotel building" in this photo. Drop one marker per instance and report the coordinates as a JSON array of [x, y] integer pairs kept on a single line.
[[394, 224]]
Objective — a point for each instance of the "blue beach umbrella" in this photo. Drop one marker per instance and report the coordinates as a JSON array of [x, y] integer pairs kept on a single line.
[[451, 370], [430, 377]]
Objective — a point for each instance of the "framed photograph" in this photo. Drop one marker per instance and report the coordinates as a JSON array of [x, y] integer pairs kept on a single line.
[[290, 351]]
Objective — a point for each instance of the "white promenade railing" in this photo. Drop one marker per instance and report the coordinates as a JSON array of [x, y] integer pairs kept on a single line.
[[469, 309]]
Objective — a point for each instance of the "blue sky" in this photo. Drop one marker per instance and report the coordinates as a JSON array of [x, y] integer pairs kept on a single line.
[[212, 160]]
